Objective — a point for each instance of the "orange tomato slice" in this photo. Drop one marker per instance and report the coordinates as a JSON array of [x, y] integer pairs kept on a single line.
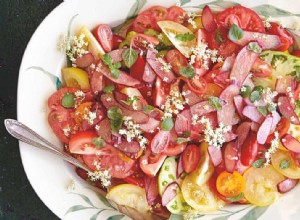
[[230, 184]]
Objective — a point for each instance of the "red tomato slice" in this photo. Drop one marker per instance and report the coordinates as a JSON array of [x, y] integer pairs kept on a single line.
[[116, 41], [104, 36], [198, 86], [148, 167], [247, 19], [176, 14], [249, 150], [286, 38], [142, 40], [82, 143], [136, 179], [177, 60], [137, 69], [296, 53], [282, 128], [142, 22], [55, 99], [118, 164], [175, 149], [160, 142], [190, 158]]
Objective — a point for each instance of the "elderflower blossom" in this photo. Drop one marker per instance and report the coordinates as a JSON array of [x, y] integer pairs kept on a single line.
[[73, 46], [274, 146], [173, 104], [102, 175], [266, 21], [90, 117]]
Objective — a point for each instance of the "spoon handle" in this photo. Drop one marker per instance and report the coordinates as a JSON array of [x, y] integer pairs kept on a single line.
[[25, 134]]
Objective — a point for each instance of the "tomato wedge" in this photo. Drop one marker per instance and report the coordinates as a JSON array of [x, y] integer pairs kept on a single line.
[[230, 184], [286, 38], [198, 86], [282, 128], [190, 158], [104, 36], [82, 143], [151, 167], [177, 60], [249, 150]]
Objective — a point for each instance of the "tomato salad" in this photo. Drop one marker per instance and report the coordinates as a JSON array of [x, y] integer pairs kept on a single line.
[[186, 111]]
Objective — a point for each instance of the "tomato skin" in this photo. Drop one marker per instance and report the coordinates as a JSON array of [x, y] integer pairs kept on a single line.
[[198, 86], [104, 36], [176, 14], [148, 167], [296, 53], [175, 149], [190, 158], [142, 22], [249, 150], [116, 40], [212, 182], [137, 69], [286, 38], [136, 179], [230, 184], [282, 128], [142, 40], [160, 141], [55, 99], [177, 60], [81, 141], [246, 18]]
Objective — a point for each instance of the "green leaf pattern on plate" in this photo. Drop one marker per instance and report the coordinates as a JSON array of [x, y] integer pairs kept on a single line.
[[183, 2], [115, 217], [272, 11], [135, 8], [76, 208]]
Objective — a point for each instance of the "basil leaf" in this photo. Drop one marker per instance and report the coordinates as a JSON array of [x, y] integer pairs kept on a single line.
[[107, 59], [167, 124], [181, 140], [114, 113], [109, 89], [188, 71], [113, 67], [115, 73], [148, 109], [236, 198], [185, 37], [68, 100], [258, 163], [129, 56], [284, 164], [116, 124], [98, 142], [215, 102], [130, 100], [271, 107], [254, 47], [235, 33], [262, 110], [245, 91]]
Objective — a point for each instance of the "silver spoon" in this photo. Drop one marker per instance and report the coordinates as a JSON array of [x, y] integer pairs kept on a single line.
[[25, 134]]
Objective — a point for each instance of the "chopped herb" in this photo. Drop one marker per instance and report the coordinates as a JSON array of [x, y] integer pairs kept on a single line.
[[148, 109], [215, 102], [98, 142], [188, 71], [181, 140], [235, 33], [115, 118], [186, 133], [185, 37], [129, 56], [271, 107], [284, 164], [130, 100], [256, 94], [114, 67], [277, 59], [167, 124], [254, 47], [258, 163], [245, 91], [109, 89], [68, 100], [262, 110], [296, 73], [236, 198], [297, 105], [218, 36]]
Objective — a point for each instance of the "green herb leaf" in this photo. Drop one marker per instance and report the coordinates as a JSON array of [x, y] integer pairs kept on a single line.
[[114, 113], [107, 59], [218, 36], [129, 56], [262, 110], [181, 140], [258, 163], [109, 89], [185, 37], [116, 124], [188, 71], [113, 67], [296, 73], [99, 142], [254, 47], [148, 109], [186, 133], [284, 164], [236, 198], [68, 100], [271, 107], [256, 94], [235, 33], [130, 100], [167, 124], [115, 73], [245, 91], [215, 102]]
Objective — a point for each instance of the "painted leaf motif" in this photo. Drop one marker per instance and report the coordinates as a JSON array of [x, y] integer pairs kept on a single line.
[[255, 213], [85, 198], [56, 81], [270, 10], [224, 217], [175, 217], [76, 208], [221, 4], [69, 62], [115, 217], [183, 2], [105, 201], [136, 7], [94, 217]]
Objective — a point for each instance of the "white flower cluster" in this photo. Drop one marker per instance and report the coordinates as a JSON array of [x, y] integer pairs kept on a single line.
[[266, 22], [73, 46], [191, 19], [166, 67], [205, 54], [132, 130], [102, 175], [274, 146], [269, 95], [173, 104], [90, 117]]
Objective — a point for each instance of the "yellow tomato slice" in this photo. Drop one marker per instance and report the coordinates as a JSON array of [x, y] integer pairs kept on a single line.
[[93, 45], [261, 185], [81, 110], [284, 156], [230, 184], [294, 130], [200, 197], [129, 195], [75, 77], [197, 21]]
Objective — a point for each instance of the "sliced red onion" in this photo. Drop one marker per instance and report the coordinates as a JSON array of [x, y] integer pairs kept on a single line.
[[231, 156], [252, 113], [104, 130], [291, 143], [151, 188], [239, 104], [169, 193], [229, 136], [183, 121], [215, 155], [228, 63], [248, 82], [202, 108], [261, 69], [132, 147], [149, 74], [96, 81], [265, 41], [242, 66], [190, 97], [255, 126], [116, 55], [208, 21], [287, 185], [284, 83], [242, 132], [160, 141], [85, 60], [222, 78], [287, 110], [264, 130], [150, 126], [276, 119], [179, 170]]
